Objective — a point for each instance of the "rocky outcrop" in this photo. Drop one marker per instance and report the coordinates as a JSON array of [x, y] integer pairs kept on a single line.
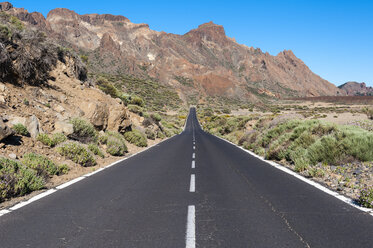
[[97, 113], [5, 131], [356, 89], [118, 119]]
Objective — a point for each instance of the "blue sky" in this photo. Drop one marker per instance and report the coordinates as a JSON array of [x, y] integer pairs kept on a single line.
[[334, 38]]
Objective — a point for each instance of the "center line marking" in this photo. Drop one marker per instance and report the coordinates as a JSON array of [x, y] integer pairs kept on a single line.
[[193, 164], [192, 187], [194, 155], [190, 237]]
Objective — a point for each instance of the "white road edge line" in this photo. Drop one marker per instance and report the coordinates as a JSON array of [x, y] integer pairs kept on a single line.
[[190, 236], [343, 198], [193, 164], [71, 182], [192, 187]]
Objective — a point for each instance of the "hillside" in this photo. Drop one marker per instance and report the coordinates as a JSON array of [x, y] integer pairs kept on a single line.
[[203, 62], [356, 89], [56, 120]]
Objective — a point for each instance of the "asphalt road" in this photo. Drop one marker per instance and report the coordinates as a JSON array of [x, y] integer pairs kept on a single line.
[[185, 193]]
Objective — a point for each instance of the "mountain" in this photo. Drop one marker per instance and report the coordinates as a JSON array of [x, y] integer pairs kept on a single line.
[[356, 89], [202, 62]]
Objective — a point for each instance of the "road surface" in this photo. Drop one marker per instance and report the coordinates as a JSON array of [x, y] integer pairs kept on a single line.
[[193, 190]]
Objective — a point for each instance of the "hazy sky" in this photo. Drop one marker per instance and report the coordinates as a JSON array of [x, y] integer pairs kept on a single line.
[[334, 38]]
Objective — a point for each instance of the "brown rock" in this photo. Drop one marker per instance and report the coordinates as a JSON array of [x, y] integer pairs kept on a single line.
[[97, 113], [118, 119], [5, 131]]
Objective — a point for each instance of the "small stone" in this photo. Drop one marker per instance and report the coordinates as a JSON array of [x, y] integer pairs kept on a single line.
[[13, 156], [59, 109], [2, 87]]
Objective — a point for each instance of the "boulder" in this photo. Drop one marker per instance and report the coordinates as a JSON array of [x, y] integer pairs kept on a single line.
[[5, 131], [33, 126], [63, 127], [97, 113], [13, 120], [118, 119]]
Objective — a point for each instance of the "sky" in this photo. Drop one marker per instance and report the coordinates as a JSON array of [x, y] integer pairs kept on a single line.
[[333, 38]]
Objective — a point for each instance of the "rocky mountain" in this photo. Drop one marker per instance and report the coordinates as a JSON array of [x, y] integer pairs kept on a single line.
[[202, 62], [356, 89]]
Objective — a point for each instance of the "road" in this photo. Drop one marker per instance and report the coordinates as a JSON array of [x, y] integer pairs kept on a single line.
[[185, 193]]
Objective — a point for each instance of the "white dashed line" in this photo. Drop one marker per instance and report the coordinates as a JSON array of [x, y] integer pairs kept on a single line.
[[192, 187], [193, 164], [190, 237], [194, 155], [194, 147]]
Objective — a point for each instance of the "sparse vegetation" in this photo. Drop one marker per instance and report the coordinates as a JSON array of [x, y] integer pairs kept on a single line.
[[115, 142], [53, 140], [136, 137], [96, 150], [17, 180], [42, 165], [20, 129], [77, 153], [83, 131], [366, 197]]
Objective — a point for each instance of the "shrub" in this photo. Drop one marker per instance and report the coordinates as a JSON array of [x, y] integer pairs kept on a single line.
[[17, 180], [95, 150], [136, 100], [42, 165], [136, 137], [83, 131], [366, 197], [107, 87], [21, 129], [115, 142], [160, 135], [368, 112], [135, 109], [150, 134], [44, 138], [51, 141], [77, 153], [156, 117]]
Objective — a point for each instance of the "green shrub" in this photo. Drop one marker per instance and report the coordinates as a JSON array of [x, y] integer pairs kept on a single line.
[[135, 109], [150, 134], [366, 197], [56, 139], [21, 130], [136, 100], [84, 58], [115, 142], [107, 87], [136, 137], [17, 180], [95, 150], [63, 169], [368, 112], [77, 153], [42, 165], [156, 117], [44, 138], [83, 131], [160, 135]]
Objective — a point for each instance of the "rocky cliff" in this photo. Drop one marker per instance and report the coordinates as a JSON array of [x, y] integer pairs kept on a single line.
[[203, 61], [356, 89]]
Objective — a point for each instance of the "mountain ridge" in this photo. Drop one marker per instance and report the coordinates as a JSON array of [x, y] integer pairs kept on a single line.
[[213, 64]]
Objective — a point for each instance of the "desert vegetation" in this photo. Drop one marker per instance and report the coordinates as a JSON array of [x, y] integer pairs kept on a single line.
[[337, 155]]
